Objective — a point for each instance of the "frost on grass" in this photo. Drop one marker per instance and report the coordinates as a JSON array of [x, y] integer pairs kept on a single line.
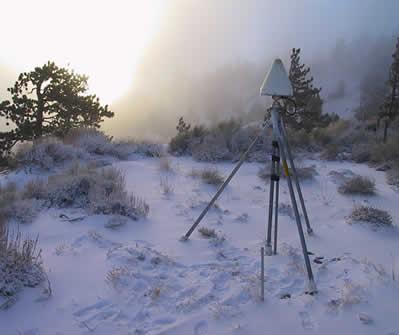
[[210, 233], [209, 175], [47, 153], [101, 191], [393, 174], [165, 165], [20, 262], [207, 232], [116, 221], [213, 148], [94, 141], [166, 186], [369, 214], [16, 205], [357, 185]]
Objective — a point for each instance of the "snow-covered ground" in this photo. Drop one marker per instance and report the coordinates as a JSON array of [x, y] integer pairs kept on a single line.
[[140, 279]]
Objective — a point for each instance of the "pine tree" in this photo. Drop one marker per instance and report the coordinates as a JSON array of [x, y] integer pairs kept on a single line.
[[49, 100], [307, 97], [390, 107]]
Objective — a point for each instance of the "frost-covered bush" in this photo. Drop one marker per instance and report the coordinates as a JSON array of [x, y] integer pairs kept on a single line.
[[205, 144], [335, 132], [145, 148], [376, 152], [385, 152], [180, 143], [96, 142], [165, 164], [90, 139], [369, 214], [209, 175], [116, 221], [13, 206], [300, 139], [306, 172], [101, 191], [47, 153], [358, 185], [361, 152], [227, 129], [20, 263], [212, 148], [207, 232], [35, 189], [242, 138], [393, 173], [331, 152], [166, 186], [186, 137]]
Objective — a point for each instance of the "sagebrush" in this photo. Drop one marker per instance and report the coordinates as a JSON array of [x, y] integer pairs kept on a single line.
[[358, 185], [20, 262], [209, 175], [372, 215]]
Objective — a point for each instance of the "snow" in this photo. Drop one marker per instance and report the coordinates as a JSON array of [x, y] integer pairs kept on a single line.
[[138, 278]]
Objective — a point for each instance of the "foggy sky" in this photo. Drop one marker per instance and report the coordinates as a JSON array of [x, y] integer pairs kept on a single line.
[[210, 57]]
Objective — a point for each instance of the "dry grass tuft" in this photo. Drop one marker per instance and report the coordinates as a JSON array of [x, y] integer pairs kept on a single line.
[[358, 185], [102, 191], [35, 189], [14, 205], [20, 262], [165, 164], [166, 186], [209, 175], [369, 214], [208, 232]]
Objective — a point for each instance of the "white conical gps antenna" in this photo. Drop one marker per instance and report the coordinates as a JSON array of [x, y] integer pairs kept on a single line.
[[277, 82]]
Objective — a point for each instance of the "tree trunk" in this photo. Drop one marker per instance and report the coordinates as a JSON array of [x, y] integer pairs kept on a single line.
[[39, 113], [386, 124]]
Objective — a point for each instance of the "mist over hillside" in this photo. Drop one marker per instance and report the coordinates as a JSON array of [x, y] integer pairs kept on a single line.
[[210, 59]]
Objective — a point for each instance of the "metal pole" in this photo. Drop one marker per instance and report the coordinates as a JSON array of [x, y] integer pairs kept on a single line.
[[220, 190], [277, 200], [279, 134], [270, 219], [262, 273], [295, 177]]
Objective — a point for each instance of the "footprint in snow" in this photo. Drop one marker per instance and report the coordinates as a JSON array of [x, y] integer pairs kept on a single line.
[[91, 316], [201, 328], [34, 331], [307, 322]]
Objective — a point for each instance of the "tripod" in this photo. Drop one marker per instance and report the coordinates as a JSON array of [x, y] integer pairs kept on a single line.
[[280, 151], [281, 148]]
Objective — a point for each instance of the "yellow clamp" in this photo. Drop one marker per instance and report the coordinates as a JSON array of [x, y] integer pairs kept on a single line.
[[285, 167]]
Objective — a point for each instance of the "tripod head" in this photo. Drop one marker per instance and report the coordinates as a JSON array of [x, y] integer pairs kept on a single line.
[[278, 86], [282, 103]]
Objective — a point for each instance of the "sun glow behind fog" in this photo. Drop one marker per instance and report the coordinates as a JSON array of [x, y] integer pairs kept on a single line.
[[103, 39]]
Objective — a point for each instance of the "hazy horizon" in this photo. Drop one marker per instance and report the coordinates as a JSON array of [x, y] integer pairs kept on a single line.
[[205, 59]]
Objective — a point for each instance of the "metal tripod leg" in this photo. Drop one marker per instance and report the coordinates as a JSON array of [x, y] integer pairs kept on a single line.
[[277, 194], [312, 285], [268, 248], [295, 177], [220, 190]]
